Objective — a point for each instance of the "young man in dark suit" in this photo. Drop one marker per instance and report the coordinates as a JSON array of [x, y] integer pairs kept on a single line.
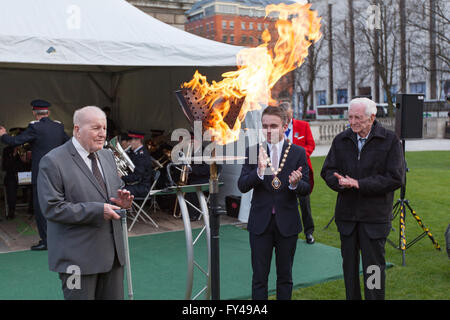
[[278, 176]]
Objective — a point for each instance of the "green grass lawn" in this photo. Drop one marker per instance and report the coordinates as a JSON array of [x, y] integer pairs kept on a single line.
[[427, 272]]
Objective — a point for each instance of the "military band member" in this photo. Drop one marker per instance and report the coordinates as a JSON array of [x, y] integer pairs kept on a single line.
[[14, 161], [44, 135], [139, 182]]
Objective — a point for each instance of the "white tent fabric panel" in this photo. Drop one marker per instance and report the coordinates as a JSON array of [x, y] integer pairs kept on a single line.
[[100, 32]]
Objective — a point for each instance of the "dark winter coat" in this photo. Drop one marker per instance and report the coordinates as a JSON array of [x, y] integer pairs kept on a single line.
[[379, 170]]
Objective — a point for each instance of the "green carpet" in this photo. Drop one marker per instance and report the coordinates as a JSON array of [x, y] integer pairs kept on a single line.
[[158, 264]]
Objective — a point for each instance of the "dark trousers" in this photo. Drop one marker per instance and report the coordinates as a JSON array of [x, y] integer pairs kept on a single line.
[[373, 260], [100, 286], [41, 222], [11, 184], [305, 207], [261, 250]]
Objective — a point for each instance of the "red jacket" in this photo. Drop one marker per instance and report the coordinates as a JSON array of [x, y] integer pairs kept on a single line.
[[302, 136]]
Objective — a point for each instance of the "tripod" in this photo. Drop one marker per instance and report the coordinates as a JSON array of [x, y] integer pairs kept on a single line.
[[399, 209]]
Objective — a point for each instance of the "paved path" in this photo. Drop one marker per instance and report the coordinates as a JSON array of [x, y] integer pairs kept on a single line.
[[411, 145]]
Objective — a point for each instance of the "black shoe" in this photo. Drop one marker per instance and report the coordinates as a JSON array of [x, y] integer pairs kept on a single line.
[[309, 239], [39, 247]]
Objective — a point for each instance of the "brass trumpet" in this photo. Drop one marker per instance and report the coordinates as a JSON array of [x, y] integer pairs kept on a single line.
[[123, 162]]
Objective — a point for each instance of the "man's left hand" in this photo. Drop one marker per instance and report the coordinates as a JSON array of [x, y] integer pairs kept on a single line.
[[124, 199], [295, 177], [347, 182]]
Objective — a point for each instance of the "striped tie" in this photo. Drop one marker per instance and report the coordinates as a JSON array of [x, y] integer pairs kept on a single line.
[[96, 172]]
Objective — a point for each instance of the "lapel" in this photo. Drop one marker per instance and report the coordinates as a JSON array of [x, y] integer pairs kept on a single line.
[[103, 164], [85, 169]]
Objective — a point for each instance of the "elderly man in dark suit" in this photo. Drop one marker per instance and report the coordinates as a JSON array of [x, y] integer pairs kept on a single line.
[[280, 174], [43, 134], [79, 188], [364, 166]]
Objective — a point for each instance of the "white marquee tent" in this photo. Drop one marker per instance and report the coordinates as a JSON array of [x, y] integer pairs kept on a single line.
[[104, 52]]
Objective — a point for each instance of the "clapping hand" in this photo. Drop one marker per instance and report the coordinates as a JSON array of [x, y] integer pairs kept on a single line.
[[262, 162], [295, 176], [346, 182]]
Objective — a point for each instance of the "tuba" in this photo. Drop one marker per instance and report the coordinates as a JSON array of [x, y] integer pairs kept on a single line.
[[123, 162]]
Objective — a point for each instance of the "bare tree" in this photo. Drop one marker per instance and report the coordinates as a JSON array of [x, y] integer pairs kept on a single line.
[[402, 12], [352, 47], [306, 74], [430, 52], [382, 45], [330, 54]]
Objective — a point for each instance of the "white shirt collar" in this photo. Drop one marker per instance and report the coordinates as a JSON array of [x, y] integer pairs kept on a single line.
[[359, 137], [138, 148], [83, 153], [279, 145]]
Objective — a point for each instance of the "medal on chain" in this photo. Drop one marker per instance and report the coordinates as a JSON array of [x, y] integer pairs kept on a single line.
[[276, 182]]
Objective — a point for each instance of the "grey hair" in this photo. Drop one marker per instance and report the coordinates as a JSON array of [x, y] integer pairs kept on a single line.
[[79, 116], [370, 106], [41, 112]]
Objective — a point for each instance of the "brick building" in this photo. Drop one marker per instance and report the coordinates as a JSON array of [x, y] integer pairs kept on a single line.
[[238, 22]]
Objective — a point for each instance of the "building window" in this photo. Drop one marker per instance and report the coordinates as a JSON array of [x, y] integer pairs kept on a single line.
[[342, 96], [250, 39], [224, 25], [209, 11], [321, 97], [266, 26], [365, 91], [244, 39], [224, 39], [250, 26], [231, 25], [244, 12], [445, 89], [417, 87], [242, 25], [226, 9], [393, 93], [232, 38], [259, 26]]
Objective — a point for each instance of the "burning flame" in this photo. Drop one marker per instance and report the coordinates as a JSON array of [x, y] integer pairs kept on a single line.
[[259, 69]]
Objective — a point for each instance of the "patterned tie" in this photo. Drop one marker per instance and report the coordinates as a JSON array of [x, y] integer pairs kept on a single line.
[[275, 157], [96, 171]]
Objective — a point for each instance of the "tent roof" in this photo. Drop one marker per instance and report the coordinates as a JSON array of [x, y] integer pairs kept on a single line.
[[99, 33]]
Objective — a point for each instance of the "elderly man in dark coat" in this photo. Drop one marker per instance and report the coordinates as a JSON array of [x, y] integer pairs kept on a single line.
[[365, 165]]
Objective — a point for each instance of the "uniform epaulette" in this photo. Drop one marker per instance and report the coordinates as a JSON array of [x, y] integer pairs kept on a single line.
[[33, 122], [57, 121]]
